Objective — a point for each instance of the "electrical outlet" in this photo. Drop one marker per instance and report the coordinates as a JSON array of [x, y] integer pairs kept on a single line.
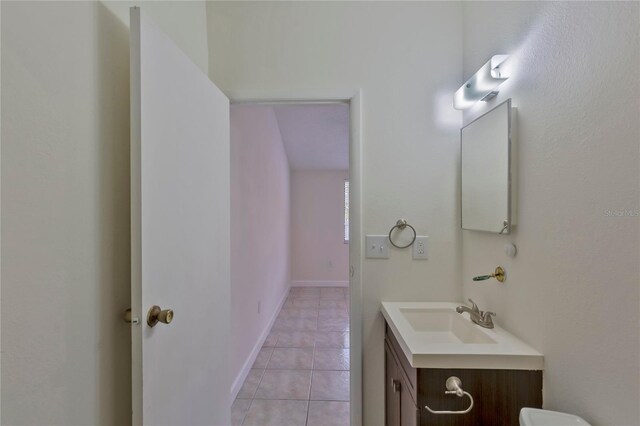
[[421, 248]]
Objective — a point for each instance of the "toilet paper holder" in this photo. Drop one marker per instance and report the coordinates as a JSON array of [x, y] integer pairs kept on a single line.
[[454, 387]]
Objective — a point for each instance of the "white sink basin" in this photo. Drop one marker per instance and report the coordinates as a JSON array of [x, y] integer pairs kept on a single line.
[[444, 326], [434, 335]]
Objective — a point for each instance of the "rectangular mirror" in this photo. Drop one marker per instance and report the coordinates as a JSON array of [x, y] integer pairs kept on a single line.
[[486, 151]]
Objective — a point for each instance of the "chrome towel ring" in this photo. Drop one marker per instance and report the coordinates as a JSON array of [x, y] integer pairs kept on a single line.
[[454, 387], [402, 224]]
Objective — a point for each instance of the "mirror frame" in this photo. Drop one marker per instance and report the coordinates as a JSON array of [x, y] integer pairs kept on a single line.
[[510, 170]]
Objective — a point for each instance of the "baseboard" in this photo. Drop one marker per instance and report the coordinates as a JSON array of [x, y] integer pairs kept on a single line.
[[239, 380], [316, 283]]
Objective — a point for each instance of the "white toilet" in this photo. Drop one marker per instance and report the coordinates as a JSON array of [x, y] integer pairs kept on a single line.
[[537, 417]]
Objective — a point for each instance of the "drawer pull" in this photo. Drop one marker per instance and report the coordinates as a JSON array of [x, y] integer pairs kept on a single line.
[[454, 387]]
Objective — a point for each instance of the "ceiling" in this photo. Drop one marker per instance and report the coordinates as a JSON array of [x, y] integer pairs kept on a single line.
[[315, 136]]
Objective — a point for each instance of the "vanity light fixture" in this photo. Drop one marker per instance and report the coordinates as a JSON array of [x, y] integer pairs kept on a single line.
[[483, 85]]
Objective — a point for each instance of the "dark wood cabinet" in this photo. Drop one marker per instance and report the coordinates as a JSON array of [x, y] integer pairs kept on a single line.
[[401, 408], [498, 394], [391, 394]]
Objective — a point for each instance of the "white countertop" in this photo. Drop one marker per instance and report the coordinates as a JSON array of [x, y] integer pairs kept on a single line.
[[506, 352]]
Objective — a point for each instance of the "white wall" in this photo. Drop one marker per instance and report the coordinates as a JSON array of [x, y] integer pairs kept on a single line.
[[184, 21], [65, 198], [260, 229], [406, 59], [572, 290], [319, 255]]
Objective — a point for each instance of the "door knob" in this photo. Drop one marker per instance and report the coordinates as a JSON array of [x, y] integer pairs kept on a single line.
[[156, 315]]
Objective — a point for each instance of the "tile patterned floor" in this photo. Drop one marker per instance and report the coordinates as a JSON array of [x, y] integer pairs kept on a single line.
[[301, 375]]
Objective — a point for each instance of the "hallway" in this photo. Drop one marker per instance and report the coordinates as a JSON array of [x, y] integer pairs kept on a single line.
[[301, 375]]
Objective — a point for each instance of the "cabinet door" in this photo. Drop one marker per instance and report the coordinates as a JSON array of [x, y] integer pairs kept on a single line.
[[392, 389], [408, 410]]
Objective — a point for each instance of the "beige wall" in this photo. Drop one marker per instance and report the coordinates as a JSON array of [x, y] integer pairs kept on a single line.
[[65, 198], [406, 59], [319, 254], [572, 290], [260, 231]]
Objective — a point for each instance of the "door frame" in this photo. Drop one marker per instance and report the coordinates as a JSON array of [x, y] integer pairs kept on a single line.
[[352, 97]]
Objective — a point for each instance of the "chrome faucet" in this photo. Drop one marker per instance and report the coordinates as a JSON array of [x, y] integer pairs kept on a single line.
[[482, 318]]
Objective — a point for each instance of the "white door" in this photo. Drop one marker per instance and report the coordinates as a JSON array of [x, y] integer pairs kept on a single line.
[[179, 234]]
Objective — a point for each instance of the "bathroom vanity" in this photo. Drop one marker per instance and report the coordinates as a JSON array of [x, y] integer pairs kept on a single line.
[[426, 344]]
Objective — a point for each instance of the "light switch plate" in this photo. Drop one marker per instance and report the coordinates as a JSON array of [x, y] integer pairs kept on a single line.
[[377, 246], [421, 248]]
